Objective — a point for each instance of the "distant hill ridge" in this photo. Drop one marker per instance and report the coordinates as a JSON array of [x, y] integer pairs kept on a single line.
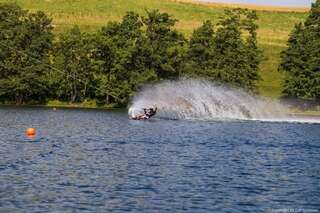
[[249, 6]]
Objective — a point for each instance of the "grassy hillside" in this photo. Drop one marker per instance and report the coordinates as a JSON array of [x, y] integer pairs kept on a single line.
[[275, 23]]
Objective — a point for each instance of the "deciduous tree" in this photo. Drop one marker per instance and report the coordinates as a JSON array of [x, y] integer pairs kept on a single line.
[[25, 42]]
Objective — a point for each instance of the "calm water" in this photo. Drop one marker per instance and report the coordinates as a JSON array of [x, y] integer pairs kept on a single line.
[[99, 161]]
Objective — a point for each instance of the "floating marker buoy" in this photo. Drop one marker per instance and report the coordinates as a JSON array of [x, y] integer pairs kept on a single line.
[[31, 132]]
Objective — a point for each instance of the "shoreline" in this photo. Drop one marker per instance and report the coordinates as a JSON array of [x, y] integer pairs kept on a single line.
[[61, 106], [307, 113], [293, 112]]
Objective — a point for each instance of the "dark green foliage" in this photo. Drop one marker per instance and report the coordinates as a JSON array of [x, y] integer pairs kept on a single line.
[[75, 66], [109, 66], [201, 58], [25, 42], [229, 54], [134, 57], [126, 66], [301, 61], [238, 59], [167, 45]]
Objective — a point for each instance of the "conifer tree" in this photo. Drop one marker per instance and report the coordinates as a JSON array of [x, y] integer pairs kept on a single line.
[[167, 45], [230, 54], [238, 58], [201, 59], [301, 60]]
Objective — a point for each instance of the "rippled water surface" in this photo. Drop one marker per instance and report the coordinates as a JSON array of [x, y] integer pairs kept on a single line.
[[99, 161]]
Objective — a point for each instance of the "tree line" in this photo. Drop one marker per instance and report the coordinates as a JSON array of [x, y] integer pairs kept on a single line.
[[110, 65]]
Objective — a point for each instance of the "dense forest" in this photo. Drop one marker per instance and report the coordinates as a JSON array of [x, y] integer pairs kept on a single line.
[[110, 65]]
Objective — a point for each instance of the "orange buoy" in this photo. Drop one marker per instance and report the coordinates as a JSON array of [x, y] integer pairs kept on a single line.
[[31, 132]]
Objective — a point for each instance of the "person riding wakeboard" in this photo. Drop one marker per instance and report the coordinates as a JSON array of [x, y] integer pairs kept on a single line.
[[148, 113]]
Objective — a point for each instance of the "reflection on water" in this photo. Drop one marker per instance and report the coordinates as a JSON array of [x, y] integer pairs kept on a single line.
[[95, 161]]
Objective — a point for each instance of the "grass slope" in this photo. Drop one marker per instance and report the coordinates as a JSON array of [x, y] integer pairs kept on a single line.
[[275, 23]]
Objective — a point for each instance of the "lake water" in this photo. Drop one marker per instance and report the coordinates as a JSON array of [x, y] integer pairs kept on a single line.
[[99, 161]]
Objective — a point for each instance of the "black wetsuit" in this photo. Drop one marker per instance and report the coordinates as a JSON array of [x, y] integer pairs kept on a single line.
[[148, 113]]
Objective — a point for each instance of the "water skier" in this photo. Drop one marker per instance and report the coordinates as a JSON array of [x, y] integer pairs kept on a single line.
[[147, 113]]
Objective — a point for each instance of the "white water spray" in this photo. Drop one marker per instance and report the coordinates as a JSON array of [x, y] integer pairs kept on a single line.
[[199, 99]]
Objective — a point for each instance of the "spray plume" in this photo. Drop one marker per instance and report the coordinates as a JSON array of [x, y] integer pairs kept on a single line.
[[200, 99]]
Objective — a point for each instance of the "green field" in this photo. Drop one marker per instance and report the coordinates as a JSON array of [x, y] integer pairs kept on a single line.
[[90, 15]]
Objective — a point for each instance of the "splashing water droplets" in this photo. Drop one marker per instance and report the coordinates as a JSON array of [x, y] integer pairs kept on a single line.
[[198, 99]]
